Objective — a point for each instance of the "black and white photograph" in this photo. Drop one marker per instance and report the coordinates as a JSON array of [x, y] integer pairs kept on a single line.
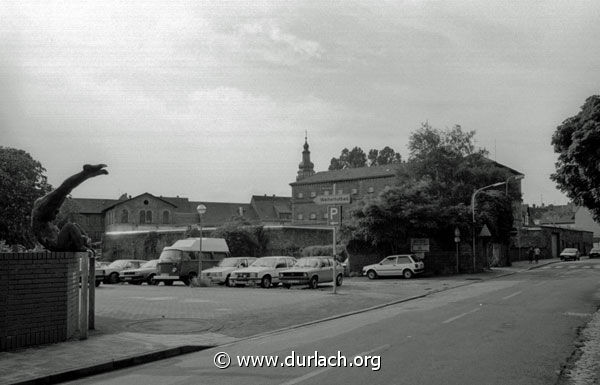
[[308, 192]]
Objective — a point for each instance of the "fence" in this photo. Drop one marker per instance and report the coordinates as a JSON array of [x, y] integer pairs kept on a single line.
[[42, 300]]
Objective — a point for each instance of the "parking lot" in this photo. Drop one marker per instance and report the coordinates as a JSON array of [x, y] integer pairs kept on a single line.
[[240, 312]]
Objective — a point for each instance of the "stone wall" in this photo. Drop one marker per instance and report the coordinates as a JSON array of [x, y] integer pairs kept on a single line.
[[38, 298]]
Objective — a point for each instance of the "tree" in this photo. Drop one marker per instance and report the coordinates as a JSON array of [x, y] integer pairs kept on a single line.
[[22, 181], [243, 240], [433, 194], [577, 143], [356, 158]]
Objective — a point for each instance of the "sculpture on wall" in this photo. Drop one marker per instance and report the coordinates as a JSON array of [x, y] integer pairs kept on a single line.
[[71, 237]]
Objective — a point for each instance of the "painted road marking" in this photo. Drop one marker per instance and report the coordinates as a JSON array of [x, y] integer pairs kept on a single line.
[[461, 315], [512, 295], [305, 377]]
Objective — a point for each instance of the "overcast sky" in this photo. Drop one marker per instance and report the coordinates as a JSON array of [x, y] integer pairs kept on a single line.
[[211, 100]]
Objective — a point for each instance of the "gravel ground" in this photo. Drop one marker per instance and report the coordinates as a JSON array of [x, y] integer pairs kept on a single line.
[[584, 368]]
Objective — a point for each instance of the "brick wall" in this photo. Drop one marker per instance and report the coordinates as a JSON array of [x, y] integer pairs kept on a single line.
[[38, 298]]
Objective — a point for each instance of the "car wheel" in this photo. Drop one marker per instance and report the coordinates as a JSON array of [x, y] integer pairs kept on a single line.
[[371, 274], [150, 280], [113, 278], [98, 283], [168, 283], [313, 283], [407, 274], [266, 281], [227, 283], [339, 280]]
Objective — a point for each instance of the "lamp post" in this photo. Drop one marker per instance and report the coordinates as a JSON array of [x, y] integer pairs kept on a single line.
[[201, 209], [473, 212], [457, 241]]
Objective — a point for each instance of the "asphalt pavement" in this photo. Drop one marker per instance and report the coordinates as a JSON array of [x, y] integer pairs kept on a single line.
[[134, 322], [515, 329]]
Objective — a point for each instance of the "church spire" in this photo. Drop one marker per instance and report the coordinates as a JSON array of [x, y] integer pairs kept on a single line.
[[306, 167]]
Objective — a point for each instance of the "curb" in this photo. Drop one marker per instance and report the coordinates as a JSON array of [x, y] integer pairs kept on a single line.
[[186, 349], [122, 363]]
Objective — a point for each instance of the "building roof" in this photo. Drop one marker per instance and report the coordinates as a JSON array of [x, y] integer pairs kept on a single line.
[[93, 206], [117, 202], [347, 174], [268, 208], [553, 214]]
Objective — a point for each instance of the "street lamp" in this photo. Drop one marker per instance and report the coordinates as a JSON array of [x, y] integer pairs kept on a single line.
[[515, 177], [473, 212], [201, 209]]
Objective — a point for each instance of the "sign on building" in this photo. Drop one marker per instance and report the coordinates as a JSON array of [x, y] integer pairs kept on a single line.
[[419, 245], [339, 199]]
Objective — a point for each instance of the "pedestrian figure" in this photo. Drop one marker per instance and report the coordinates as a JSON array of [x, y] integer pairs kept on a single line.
[[536, 254], [530, 254]]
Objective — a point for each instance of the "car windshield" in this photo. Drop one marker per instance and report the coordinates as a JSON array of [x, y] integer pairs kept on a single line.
[[569, 250], [265, 262], [150, 264], [117, 264], [229, 262], [308, 262], [170, 256]]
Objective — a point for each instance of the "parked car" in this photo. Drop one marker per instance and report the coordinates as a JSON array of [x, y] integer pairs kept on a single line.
[[312, 271], [594, 253], [183, 261], [100, 276], [264, 271], [406, 265], [221, 273], [145, 273], [570, 253], [113, 271]]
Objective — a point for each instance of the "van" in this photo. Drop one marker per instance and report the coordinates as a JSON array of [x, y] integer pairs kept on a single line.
[[183, 261]]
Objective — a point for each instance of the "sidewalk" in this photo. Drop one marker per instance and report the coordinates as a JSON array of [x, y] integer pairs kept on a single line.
[[115, 344]]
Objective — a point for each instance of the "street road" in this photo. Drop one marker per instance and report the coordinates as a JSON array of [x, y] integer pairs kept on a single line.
[[513, 330]]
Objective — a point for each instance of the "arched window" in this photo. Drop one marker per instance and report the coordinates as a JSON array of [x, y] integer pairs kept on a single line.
[[124, 216], [165, 218], [148, 216], [142, 216]]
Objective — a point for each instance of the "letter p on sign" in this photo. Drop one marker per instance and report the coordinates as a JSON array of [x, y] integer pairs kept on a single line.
[[334, 215]]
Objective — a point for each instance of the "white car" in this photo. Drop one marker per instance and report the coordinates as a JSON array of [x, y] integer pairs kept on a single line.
[[264, 271], [220, 274], [406, 265]]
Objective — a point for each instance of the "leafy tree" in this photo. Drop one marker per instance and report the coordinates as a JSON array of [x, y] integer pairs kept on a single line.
[[433, 194], [243, 240], [387, 155], [22, 181], [356, 158], [577, 143]]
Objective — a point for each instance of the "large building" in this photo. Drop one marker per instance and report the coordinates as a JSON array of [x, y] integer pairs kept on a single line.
[[147, 212]]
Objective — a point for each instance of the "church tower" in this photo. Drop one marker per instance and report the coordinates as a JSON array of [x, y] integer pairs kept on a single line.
[[306, 167]]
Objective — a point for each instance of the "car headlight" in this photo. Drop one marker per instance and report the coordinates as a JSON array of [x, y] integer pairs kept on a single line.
[[280, 275], [305, 274], [254, 275], [173, 270]]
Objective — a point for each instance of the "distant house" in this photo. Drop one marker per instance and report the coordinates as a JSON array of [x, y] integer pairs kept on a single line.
[[147, 212]]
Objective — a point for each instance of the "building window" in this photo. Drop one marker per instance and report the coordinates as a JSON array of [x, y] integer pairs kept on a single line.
[[354, 191], [313, 216], [300, 217], [313, 194], [371, 189], [124, 216], [326, 192], [142, 216], [165, 218], [300, 195], [148, 216], [340, 191]]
